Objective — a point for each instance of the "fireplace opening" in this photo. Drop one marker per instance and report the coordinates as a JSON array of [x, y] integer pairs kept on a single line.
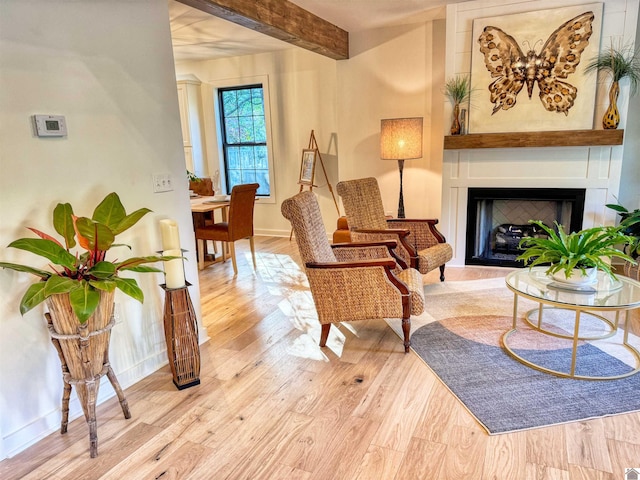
[[498, 218]]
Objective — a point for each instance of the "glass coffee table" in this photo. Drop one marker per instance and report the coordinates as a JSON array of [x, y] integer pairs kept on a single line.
[[607, 295]]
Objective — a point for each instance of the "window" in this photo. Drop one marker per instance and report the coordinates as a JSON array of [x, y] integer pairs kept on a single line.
[[244, 137]]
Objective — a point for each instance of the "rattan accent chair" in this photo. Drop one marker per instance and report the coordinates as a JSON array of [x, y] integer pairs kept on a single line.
[[351, 281], [420, 243], [238, 226]]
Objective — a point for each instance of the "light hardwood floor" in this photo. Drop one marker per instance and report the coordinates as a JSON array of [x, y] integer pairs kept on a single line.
[[273, 405]]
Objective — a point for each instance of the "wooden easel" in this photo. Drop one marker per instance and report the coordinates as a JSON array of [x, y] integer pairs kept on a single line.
[[313, 145]]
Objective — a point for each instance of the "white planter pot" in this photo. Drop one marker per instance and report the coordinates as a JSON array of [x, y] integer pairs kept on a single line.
[[577, 277]]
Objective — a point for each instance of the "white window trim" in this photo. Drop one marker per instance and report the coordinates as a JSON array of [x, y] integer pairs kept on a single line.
[[213, 128]]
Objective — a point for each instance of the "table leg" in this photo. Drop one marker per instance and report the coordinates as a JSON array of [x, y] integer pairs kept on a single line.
[[625, 339], [540, 309], [576, 332], [515, 309]]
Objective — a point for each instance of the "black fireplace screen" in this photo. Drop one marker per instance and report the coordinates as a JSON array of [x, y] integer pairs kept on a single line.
[[497, 219]]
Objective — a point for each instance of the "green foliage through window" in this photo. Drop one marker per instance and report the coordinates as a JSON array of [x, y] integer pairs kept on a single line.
[[244, 135]]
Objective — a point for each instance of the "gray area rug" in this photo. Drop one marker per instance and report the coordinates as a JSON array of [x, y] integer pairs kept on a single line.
[[459, 339]]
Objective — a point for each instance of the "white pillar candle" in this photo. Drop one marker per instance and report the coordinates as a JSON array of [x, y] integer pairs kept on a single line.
[[170, 234], [173, 269]]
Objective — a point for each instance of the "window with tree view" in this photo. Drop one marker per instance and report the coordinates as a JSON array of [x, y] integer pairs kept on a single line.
[[244, 137]]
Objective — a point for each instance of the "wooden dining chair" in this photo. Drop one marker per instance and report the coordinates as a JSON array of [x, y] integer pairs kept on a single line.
[[239, 225]]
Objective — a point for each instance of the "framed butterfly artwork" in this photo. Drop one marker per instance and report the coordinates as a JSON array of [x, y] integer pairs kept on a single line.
[[527, 70]]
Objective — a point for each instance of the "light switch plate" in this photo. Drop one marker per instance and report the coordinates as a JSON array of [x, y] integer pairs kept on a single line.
[[162, 182]]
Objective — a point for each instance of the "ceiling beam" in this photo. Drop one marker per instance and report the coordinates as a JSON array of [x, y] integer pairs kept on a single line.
[[283, 20]]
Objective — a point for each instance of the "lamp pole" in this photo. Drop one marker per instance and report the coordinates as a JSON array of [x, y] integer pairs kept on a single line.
[[401, 198]]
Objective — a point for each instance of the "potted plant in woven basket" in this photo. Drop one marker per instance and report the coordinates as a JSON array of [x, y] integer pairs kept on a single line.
[[630, 225], [79, 292], [574, 257]]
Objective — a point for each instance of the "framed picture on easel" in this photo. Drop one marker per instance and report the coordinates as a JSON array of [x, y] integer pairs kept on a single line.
[[307, 167]]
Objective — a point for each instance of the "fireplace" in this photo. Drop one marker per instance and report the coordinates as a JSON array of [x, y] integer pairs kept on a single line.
[[497, 219]]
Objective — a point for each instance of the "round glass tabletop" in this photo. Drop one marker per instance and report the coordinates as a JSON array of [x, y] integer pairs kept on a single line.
[[605, 294]]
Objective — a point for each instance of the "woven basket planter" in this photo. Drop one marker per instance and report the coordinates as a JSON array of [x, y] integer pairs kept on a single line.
[[84, 355], [632, 271]]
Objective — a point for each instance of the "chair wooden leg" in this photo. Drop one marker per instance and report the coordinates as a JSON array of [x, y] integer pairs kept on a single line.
[[232, 249], [200, 254], [324, 334], [442, 273], [406, 330], [253, 252]]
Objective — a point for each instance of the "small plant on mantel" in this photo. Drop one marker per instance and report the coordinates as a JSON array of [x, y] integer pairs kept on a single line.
[[458, 90], [581, 250]]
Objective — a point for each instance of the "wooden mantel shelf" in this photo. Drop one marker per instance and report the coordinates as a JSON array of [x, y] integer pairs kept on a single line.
[[565, 138]]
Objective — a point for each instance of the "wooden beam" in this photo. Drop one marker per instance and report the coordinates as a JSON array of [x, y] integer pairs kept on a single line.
[[283, 20]]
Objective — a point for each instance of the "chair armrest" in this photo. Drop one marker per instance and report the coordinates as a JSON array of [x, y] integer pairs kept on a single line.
[[400, 232], [424, 232], [373, 243], [347, 291], [412, 220], [355, 251], [406, 249], [387, 263], [381, 262]]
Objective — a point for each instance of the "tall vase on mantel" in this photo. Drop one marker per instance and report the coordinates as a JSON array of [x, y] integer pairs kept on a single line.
[[611, 118], [455, 125]]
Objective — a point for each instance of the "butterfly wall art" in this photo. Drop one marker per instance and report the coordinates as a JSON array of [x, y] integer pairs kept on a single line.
[[528, 69]]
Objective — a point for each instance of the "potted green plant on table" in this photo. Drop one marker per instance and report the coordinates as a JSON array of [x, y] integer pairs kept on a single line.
[[458, 90], [618, 63], [79, 292], [574, 257]]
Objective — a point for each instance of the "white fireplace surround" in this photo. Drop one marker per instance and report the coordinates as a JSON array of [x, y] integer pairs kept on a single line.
[[596, 169]]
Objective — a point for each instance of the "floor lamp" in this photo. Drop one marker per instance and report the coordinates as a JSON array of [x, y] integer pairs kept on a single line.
[[401, 139]]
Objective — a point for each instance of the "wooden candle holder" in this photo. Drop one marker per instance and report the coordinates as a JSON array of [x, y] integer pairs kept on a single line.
[[181, 336]]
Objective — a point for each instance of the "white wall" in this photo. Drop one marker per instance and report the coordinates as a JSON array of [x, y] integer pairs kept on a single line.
[[390, 74], [393, 72], [108, 67], [302, 97], [630, 184]]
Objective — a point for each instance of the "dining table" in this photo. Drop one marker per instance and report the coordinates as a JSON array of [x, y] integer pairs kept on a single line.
[[200, 206]]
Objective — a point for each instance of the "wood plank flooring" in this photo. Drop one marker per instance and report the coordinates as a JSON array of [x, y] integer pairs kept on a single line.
[[273, 405]]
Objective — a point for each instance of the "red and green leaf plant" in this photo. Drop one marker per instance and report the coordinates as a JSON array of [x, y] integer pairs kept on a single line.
[[83, 274]]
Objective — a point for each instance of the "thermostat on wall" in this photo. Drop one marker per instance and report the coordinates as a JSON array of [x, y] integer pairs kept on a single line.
[[50, 125]]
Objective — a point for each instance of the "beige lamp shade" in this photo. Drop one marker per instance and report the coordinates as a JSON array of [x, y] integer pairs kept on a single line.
[[401, 138]]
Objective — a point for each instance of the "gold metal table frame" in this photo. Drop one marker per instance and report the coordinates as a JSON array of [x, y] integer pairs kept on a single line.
[[620, 296]]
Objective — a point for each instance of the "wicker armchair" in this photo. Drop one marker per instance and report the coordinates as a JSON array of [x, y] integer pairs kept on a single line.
[[420, 243], [351, 281]]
